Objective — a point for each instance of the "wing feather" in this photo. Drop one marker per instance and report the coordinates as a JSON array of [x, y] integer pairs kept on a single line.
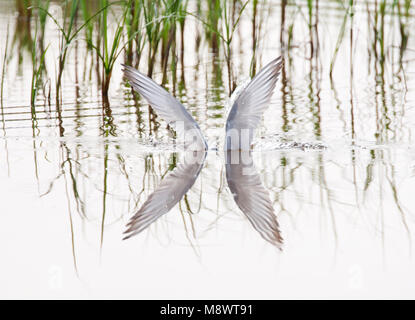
[[167, 107], [168, 193], [247, 110], [251, 196]]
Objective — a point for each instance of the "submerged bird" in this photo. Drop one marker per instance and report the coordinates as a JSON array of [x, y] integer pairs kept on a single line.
[[244, 183]]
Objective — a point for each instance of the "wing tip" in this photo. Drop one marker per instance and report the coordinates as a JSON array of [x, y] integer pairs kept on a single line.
[[130, 232], [126, 68]]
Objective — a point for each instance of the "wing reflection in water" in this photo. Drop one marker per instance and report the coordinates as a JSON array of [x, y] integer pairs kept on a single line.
[[251, 196], [168, 193]]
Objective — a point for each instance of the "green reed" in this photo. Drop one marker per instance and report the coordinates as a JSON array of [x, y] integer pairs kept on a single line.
[[212, 23], [107, 50], [133, 22], [181, 19], [229, 24], [22, 37], [42, 18], [168, 34], [38, 52], [67, 34], [152, 28], [154, 14], [222, 21], [89, 27], [348, 14], [155, 25], [3, 69], [38, 65]]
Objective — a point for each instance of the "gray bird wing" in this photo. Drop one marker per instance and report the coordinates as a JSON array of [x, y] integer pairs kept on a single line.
[[251, 196], [168, 193], [247, 110], [168, 108]]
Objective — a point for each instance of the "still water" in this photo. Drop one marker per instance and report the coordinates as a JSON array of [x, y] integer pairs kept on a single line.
[[335, 154]]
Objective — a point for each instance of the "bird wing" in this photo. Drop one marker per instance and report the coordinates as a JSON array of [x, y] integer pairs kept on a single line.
[[168, 193], [247, 110], [167, 107], [251, 196]]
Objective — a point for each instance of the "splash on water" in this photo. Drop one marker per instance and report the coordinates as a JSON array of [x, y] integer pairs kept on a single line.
[[281, 142]]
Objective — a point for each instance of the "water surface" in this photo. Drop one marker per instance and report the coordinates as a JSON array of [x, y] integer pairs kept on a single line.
[[71, 176]]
